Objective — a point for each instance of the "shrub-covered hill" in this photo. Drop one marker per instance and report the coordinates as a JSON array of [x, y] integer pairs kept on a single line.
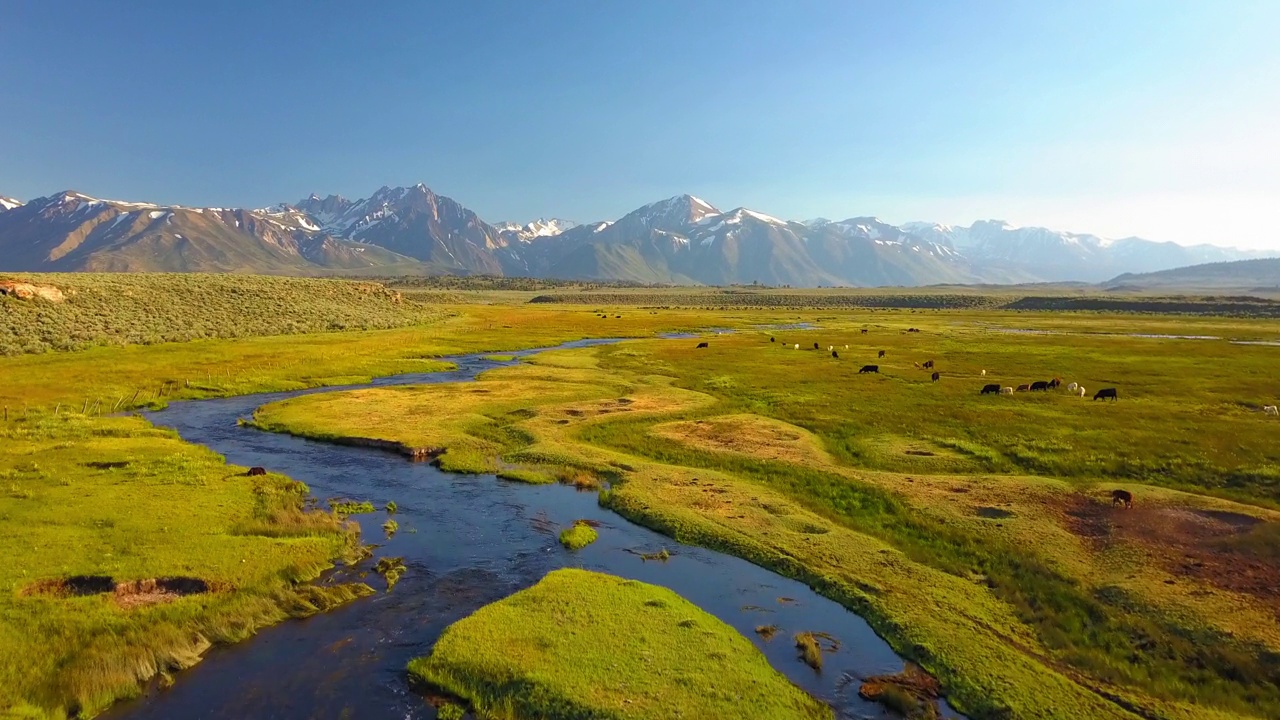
[[140, 308]]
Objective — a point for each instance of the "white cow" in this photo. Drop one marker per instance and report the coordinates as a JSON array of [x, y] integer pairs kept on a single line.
[[797, 346], [830, 348], [1006, 391], [846, 347], [1271, 410], [1082, 391], [1072, 387], [984, 373]]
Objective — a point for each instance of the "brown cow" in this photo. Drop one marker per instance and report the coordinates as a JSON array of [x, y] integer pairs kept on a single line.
[[257, 471], [702, 345], [1023, 388], [1122, 496], [881, 353]]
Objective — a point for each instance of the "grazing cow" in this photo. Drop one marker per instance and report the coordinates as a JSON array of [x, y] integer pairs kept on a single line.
[[835, 354], [991, 389], [1082, 391], [916, 364], [831, 348], [1055, 383], [864, 331], [984, 373], [1105, 393], [771, 340], [1039, 385], [1122, 497], [936, 376], [1271, 410], [797, 346], [912, 330], [1023, 388], [1006, 390], [257, 471], [1072, 387], [846, 347], [815, 346], [869, 369], [701, 345], [881, 354], [928, 363]]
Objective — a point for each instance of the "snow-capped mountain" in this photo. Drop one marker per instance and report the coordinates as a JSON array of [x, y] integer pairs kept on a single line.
[[412, 221], [542, 227], [73, 231], [7, 203], [682, 239]]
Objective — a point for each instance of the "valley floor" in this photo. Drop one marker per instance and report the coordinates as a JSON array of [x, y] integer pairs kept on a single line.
[[975, 532]]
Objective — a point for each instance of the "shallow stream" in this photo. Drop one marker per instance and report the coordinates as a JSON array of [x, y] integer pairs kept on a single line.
[[467, 540]]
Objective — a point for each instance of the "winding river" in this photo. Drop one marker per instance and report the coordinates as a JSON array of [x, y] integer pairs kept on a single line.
[[467, 540]]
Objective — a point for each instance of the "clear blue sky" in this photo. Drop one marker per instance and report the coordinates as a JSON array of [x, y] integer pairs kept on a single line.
[[1156, 118]]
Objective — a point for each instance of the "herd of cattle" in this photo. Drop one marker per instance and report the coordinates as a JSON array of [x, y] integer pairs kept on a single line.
[[992, 388]]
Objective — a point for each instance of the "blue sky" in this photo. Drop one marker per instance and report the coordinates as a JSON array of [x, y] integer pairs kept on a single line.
[[1159, 119]]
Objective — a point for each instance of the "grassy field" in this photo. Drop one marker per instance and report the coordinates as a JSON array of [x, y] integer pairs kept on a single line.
[[974, 532], [580, 644], [72, 480], [130, 552]]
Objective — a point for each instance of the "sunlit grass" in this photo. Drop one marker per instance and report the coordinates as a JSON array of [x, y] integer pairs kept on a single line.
[[581, 644]]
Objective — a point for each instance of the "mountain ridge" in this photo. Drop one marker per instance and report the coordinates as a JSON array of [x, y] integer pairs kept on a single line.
[[681, 240]]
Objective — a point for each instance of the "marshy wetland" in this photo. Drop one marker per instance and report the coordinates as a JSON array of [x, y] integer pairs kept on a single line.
[[886, 517]]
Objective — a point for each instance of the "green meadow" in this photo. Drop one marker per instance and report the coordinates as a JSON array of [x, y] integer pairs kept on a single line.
[[974, 532], [581, 644]]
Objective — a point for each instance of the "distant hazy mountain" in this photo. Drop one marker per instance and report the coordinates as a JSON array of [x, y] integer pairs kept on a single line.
[[72, 231], [682, 239], [8, 203], [1240, 275], [1054, 255]]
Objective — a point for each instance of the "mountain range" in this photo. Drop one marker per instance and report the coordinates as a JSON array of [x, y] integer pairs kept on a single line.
[[683, 240]]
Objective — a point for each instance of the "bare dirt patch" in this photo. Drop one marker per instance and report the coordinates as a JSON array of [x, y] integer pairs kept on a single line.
[[1212, 546], [128, 594], [747, 435]]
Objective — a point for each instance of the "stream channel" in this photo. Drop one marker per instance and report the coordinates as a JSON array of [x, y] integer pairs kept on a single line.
[[467, 540]]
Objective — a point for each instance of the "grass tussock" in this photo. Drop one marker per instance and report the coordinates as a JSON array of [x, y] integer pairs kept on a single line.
[[629, 640], [578, 536]]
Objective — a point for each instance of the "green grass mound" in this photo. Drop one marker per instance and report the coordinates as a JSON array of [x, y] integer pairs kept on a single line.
[[578, 536], [581, 644]]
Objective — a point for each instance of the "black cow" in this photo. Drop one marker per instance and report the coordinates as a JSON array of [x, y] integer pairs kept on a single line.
[[991, 389], [1039, 385], [881, 354], [869, 369], [257, 471], [936, 376], [928, 363], [864, 331], [771, 340], [912, 330], [1122, 496], [815, 346], [835, 354], [701, 345], [1105, 393], [1054, 383]]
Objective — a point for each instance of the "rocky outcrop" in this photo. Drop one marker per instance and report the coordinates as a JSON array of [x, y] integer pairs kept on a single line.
[[27, 291]]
